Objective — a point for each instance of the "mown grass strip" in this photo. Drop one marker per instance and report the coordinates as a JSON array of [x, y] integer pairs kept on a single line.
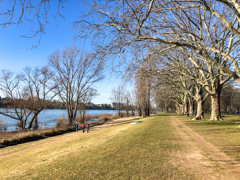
[[223, 134], [125, 151]]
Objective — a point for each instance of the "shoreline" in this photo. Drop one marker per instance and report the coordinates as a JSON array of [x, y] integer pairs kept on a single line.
[[11, 138]]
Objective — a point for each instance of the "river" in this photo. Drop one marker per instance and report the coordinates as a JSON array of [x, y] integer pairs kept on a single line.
[[47, 118]]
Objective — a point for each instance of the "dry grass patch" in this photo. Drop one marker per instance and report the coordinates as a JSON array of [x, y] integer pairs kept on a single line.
[[122, 151], [223, 134]]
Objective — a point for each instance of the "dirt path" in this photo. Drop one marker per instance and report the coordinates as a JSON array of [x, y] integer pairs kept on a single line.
[[115, 122], [204, 159]]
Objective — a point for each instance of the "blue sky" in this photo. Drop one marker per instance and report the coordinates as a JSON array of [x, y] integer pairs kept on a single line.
[[15, 54]]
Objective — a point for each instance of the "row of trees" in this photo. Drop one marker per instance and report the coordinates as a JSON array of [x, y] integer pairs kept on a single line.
[[194, 45], [70, 78], [187, 50]]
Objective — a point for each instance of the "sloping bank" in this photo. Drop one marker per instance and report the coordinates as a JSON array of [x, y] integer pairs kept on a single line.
[[117, 151], [28, 136]]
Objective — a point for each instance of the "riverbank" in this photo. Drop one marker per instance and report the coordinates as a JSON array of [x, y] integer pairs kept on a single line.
[[118, 150], [160, 147], [47, 118], [10, 138]]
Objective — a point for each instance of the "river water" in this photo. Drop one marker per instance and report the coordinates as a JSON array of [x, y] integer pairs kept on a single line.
[[47, 118]]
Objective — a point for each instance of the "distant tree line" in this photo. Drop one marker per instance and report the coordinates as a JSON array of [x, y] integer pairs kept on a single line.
[[6, 103], [183, 55], [69, 77]]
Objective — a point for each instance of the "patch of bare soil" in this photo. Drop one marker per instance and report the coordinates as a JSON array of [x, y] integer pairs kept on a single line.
[[202, 158]]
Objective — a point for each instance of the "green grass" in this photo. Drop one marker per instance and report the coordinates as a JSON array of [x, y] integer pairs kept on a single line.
[[123, 151], [223, 134]]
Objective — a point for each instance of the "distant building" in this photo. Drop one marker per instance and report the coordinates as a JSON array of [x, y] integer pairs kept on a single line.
[[90, 105], [103, 106], [116, 105]]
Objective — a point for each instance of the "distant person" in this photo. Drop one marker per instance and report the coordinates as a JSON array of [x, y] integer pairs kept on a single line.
[[74, 127], [195, 113], [83, 127], [77, 127], [88, 128]]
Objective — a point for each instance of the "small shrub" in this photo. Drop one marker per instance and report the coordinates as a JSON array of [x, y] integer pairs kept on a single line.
[[62, 123], [115, 116], [87, 117], [105, 117]]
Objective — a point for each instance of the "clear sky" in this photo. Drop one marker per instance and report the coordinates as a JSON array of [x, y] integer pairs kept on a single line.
[[14, 49]]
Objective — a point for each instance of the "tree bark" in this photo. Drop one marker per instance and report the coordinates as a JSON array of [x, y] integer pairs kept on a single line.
[[190, 107], [180, 109], [185, 108], [199, 106], [215, 108], [22, 125], [36, 123], [165, 106], [177, 109]]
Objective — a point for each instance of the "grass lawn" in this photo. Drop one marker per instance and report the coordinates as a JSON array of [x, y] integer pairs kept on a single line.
[[225, 135], [123, 151]]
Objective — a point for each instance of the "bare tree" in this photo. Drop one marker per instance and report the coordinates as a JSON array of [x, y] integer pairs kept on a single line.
[[10, 86], [40, 87], [118, 97], [86, 100], [144, 87], [220, 8], [129, 105], [76, 73], [35, 13], [29, 94]]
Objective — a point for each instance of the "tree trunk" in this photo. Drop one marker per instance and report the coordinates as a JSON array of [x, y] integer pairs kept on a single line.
[[139, 110], [35, 123], [71, 120], [215, 108], [22, 125], [185, 109], [147, 113], [180, 109], [185, 106], [190, 107], [132, 111], [165, 106], [177, 109], [199, 107], [71, 116]]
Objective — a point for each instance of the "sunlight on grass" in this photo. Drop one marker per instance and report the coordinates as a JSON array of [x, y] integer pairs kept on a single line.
[[123, 151], [223, 134]]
